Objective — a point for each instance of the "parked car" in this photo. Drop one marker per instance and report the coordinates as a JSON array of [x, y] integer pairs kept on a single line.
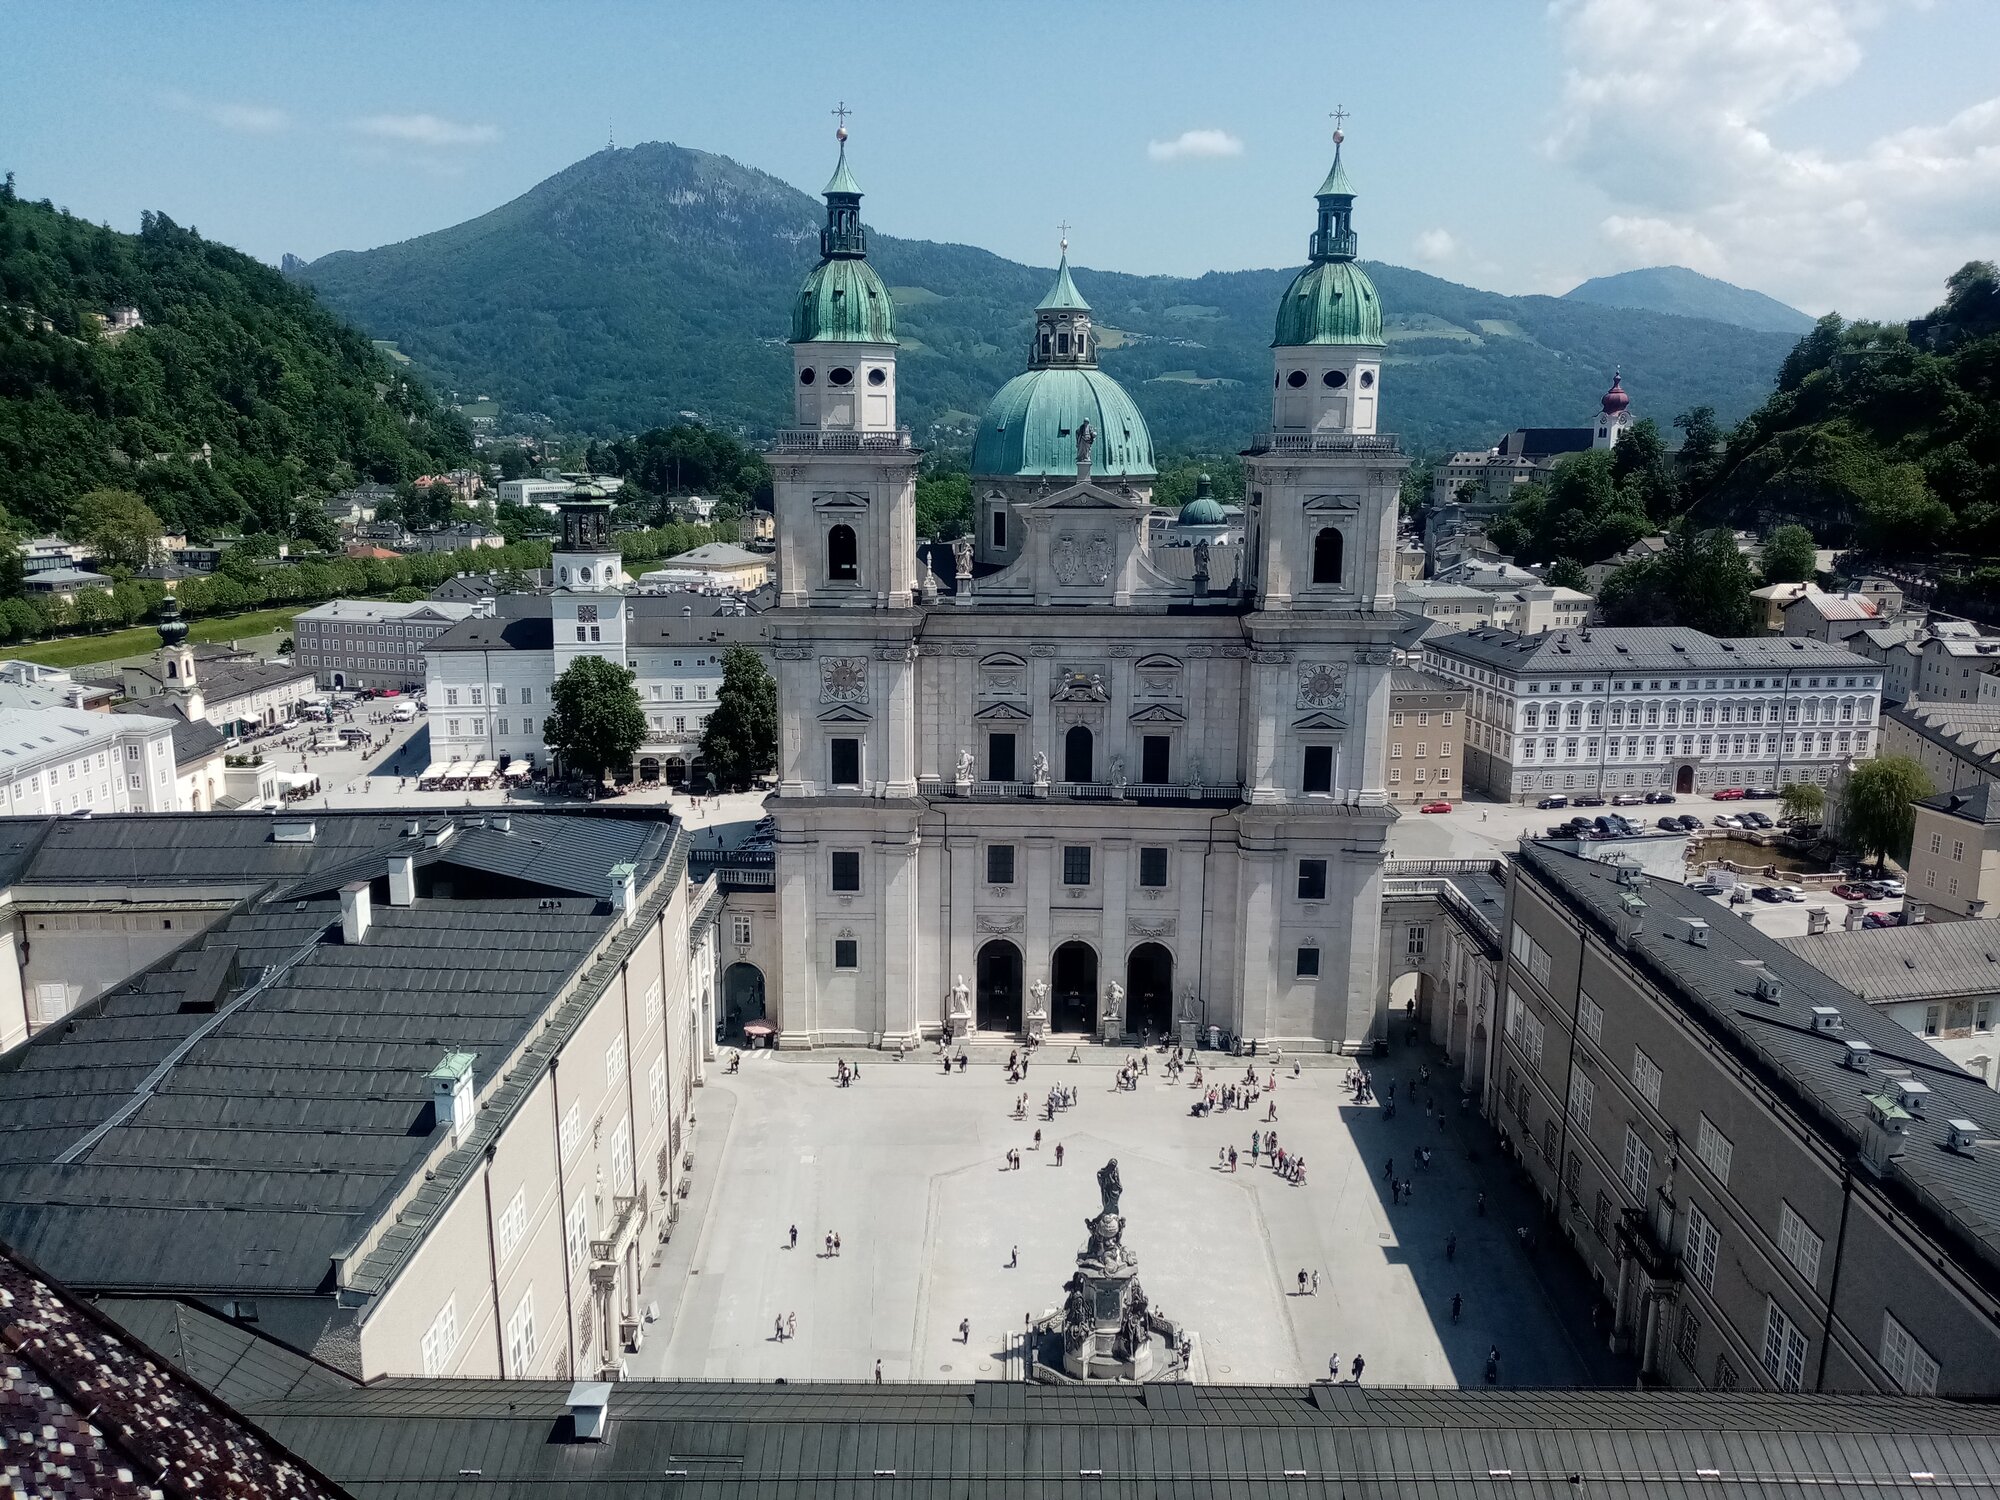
[[1727, 820], [1767, 893], [1730, 794], [1879, 919], [1853, 891], [1556, 801], [1435, 807], [1791, 893], [1690, 823], [1662, 798], [1756, 819], [1588, 801], [1669, 822], [1707, 888], [1890, 887], [1627, 799], [403, 713], [1758, 791]]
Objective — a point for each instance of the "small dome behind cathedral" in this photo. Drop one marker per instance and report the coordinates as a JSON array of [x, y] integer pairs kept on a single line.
[[1204, 509]]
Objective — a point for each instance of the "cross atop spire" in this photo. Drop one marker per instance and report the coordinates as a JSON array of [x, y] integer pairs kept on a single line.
[[1063, 229], [1339, 118], [840, 112]]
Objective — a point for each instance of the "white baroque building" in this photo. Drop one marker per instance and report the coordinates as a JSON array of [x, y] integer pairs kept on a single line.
[[1052, 776]]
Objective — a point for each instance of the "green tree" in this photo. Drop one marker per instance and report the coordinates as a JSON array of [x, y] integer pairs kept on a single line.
[[1413, 491], [1701, 441], [740, 740], [944, 505], [119, 527], [597, 724], [1876, 816], [1788, 555], [1802, 801], [1700, 581], [1566, 573], [1644, 473]]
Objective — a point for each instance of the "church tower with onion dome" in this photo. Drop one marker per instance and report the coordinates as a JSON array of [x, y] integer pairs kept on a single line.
[[1614, 414]]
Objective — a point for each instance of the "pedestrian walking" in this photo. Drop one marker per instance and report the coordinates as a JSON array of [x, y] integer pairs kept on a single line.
[[1389, 1170], [965, 1330], [836, 1244], [1315, 1290], [778, 1328], [795, 1238], [878, 1372], [1360, 1364], [1333, 1366], [1059, 1153], [1014, 1258], [1480, 1207], [829, 1244], [1457, 1302], [791, 1325], [1302, 1283]]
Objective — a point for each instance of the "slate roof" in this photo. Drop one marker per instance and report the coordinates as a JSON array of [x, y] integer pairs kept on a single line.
[[1977, 804], [1929, 961], [1970, 732], [512, 1441], [1645, 649], [225, 1355], [1957, 1196], [195, 740], [520, 622], [87, 1411], [234, 1118], [525, 622], [1403, 680]]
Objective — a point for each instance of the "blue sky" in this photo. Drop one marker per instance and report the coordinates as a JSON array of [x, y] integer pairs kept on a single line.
[[1835, 153]]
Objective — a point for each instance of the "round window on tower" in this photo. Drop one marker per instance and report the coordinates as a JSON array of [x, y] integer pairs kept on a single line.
[[565, 575], [583, 575], [1296, 379], [840, 375], [876, 377], [806, 376], [1367, 379], [1333, 380]]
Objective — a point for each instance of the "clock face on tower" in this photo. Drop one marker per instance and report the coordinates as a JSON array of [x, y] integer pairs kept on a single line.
[[586, 612]]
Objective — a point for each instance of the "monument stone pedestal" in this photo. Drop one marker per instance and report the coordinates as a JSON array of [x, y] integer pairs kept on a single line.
[[1106, 1328]]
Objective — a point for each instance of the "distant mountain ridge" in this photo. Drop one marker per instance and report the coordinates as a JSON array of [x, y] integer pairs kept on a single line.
[[648, 280], [1689, 294]]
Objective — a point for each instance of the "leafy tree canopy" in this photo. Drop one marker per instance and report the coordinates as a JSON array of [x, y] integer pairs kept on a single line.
[[1582, 512], [686, 459], [944, 504], [1179, 476], [1787, 555], [117, 526], [597, 724], [1803, 801], [1700, 581], [1875, 812], [740, 740], [1566, 573]]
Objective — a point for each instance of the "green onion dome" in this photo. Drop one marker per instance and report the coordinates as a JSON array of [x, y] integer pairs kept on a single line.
[[843, 301]]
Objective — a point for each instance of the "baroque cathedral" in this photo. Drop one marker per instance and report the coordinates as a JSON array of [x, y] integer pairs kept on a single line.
[[1054, 778]]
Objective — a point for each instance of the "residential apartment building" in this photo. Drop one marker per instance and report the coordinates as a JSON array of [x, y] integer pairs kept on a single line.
[[1895, 646], [1774, 1187], [1611, 710], [1956, 657], [56, 759], [1426, 737], [1936, 980], [1955, 853], [1528, 611], [371, 643], [420, 1088], [1957, 744]]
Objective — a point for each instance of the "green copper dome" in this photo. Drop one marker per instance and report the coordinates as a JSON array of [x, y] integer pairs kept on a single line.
[[843, 301], [1330, 302], [1030, 426], [1204, 509]]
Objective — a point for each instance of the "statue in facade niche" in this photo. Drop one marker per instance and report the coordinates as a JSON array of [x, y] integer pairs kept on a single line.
[[1118, 774], [961, 1000], [1190, 1010], [1114, 1005]]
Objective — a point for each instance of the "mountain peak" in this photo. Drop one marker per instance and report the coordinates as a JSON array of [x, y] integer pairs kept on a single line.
[[1689, 294]]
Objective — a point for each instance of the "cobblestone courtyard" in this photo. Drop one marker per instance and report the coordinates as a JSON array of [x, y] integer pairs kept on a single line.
[[907, 1166]]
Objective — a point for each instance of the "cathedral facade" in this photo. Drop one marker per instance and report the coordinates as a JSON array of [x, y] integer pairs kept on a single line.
[[1053, 778]]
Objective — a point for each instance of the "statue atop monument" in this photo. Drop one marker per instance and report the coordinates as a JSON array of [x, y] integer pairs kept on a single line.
[[1109, 1185]]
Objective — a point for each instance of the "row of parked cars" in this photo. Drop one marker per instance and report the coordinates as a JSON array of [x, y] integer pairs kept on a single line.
[[1623, 799]]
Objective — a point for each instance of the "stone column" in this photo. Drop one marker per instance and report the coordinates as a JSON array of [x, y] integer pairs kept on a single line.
[[1112, 937], [896, 1021], [1257, 962], [960, 942], [798, 940], [1037, 926]]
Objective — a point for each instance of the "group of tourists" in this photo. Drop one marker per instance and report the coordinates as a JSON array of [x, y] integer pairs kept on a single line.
[[846, 1073]]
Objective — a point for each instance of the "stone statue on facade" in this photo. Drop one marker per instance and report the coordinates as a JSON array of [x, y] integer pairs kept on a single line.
[[1114, 1005], [1110, 1186], [962, 556], [1190, 1010], [1086, 436], [961, 1000], [1118, 774], [1201, 558], [1041, 768], [965, 765]]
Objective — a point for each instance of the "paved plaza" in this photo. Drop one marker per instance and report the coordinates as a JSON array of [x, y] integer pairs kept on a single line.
[[907, 1166]]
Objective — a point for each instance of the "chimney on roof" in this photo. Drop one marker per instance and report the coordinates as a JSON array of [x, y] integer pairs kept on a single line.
[[1631, 918], [590, 1409], [1855, 1057], [1913, 1094], [1695, 930], [1817, 920], [452, 1097], [1887, 1133], [503, 823], [440, 834], [354, 911], [1827, 1019], [1963, 1136], [1852, 923], [402, 879], [624, 890]]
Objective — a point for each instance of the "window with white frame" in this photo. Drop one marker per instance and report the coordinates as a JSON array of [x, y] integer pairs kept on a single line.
[[441, 1338], [1797, 1243], [1532, 955], [1636, 1166], [1582, 1094], [739, 928], [1784, 1353], [1703, 1243], [1524, 1027], [653, 1005], [1590, 1018], [521, 1336], [656, 1086], [1906, 1361], [570, 1131], [1646, 1077], [576, 1232], [1714, 1149], [621, 1155], [614, 1062], [513, 1223]]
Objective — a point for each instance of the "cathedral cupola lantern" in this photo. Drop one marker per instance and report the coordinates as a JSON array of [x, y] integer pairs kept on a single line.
[[843, 323], [1063, 334]]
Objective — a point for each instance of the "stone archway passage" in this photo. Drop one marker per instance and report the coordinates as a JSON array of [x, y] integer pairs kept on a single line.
[[742, 999], [677, 770], [998, 1007], [1073, 987], [1684, 782], [1149, 990], [649, 768]]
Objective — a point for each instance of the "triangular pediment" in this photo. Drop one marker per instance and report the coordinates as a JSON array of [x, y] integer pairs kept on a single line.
[[1320, 721], [1085, 496], [844, 713], [1158, 714], [1002, 712]]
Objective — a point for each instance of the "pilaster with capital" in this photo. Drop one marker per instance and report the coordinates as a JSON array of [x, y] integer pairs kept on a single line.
[[902, 925], [1117, 888]]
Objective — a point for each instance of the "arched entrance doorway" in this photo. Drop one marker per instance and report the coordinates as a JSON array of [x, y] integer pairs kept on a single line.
[[1149, 990], [677, 770], [339, 678], [1073, 982], [999, 1002], [1077, 758], [742, 1000], [649, 768], [1684, 780]]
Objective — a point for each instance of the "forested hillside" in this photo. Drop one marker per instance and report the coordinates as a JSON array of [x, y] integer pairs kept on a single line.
[[646, 281], [238, 395]]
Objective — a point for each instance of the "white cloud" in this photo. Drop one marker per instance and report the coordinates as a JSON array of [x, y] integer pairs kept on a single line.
[[245, 119], [1195, 145], [1671, 110], [1435, 247], [426, 130]]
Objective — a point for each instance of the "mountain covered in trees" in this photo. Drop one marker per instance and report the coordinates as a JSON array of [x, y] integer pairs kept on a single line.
[[1689, 294], [236, 396], [645, 281]]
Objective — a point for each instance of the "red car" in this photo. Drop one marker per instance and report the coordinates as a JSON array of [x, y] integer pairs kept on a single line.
[[1435, 807], [1730, 794], [1853, 892]]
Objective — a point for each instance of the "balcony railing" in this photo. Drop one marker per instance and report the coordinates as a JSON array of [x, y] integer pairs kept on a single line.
[[816, 440], [1081, 791], [1326, 442]]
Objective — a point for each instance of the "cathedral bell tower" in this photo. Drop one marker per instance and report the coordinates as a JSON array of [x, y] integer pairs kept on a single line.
[[1323, 482], [844, 478], [589, 600]]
